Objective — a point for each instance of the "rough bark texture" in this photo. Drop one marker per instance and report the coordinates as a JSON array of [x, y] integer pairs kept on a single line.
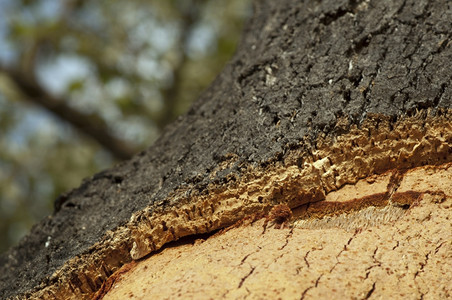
[[319, 95], [396, 250]]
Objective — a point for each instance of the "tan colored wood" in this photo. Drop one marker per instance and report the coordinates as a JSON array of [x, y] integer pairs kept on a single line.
[[392, 251]]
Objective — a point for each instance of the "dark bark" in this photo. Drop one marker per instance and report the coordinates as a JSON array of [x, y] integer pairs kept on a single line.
[[300, 68]]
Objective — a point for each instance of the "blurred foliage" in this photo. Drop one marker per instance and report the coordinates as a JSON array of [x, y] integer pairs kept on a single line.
[[136, 65]]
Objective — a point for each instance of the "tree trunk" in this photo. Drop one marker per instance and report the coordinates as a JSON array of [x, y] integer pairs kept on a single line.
[[320, 95]]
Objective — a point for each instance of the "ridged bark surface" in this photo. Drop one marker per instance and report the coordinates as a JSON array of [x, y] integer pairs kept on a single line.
[[319, 95]]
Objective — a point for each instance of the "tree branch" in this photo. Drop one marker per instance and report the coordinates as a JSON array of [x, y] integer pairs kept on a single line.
[[90, 124], [170, 95]]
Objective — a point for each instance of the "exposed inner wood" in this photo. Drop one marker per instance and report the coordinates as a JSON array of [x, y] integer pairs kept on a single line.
[[387, 247], [299, 179], [305, 179]]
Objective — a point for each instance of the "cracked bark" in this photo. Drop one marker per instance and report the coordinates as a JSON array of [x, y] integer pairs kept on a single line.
[[340, 110], [246, 276], [303, 295]]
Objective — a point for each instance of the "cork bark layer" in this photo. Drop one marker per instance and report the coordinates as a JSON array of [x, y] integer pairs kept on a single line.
[[319, 95], [396, 248], [307, 184]]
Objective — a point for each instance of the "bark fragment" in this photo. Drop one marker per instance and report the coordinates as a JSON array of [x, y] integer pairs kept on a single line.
[[392, 252], [319, 96]]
